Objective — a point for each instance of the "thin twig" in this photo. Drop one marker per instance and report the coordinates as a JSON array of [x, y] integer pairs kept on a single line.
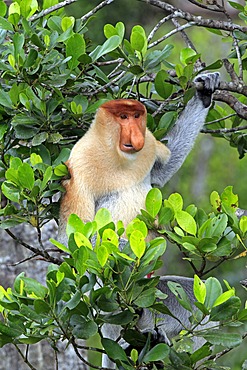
[[24, 358], [158, 25], [37, 251], [51, 9], [220, 119], [93, 11], [106, 86], [224, 130], [169, 34], [83, 359]]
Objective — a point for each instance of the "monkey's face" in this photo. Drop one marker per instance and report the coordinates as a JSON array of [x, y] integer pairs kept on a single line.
[[130, 116]]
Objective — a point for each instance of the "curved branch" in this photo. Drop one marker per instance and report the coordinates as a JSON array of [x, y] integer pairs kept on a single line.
[[51, 9], [36, 251], [232, 101], [205, 6], [199, 21]]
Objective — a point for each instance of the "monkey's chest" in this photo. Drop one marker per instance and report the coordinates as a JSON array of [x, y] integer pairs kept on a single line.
[[125, 204]]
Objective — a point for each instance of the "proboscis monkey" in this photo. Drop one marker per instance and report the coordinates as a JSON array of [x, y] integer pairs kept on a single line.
[[118, 160], [116, 163]]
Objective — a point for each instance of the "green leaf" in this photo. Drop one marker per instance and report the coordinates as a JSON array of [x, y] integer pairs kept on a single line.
[[3, 8], [67, 22], [75, 47], [3, 130], [215, 201], [180, 294], [153, 201], [163, 88], [11, 192], [186, 222], [109, 45], [61, 170], [82, 240], [236, 5], [214, 290], [102, 217], [157, 353], [186, 54], [154, 58], [165, 215], [137, 243], [5, 99], [74, 224], [243, 224], [81, 257], [102, 255], [47, 176], [199, 289], [167, 120], [146, 298], [26, 176], [224, 297], [109, 235], [110, 30], [83, 329], [39, 138], [219, 337], [5, 25], [137, 41], [175, 201], [122, 318], [32, 286], [41, 307], [11, 332], [113, 350], [227, 310], [60, 246]]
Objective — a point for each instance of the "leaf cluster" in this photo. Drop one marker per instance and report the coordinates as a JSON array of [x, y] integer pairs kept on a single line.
[[99, 283]]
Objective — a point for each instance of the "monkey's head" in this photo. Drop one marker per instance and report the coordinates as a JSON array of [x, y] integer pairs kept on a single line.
[[127, 118]]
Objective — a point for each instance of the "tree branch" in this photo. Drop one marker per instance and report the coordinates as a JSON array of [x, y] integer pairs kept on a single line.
[[98, 7], [198, 20], [36, 251], [232, 101], [51, 9], [224, 130]]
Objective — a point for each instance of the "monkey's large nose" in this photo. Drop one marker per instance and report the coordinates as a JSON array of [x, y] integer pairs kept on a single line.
[[136, 137]]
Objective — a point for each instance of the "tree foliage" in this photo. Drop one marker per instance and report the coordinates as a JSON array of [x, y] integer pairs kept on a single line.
[[53, 79]]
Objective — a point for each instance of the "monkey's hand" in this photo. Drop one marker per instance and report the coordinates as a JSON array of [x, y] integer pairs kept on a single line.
[[206, 84]]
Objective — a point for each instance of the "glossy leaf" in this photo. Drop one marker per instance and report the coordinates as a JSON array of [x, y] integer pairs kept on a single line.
[[199, 289], [137, 243], [186, 222], [157, 353], [153, 201]]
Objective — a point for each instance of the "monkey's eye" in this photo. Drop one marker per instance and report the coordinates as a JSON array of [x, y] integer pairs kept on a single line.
[[137, 115], [123, 116]]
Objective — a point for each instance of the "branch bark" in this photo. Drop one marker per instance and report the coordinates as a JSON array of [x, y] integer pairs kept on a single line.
[[200, 21]]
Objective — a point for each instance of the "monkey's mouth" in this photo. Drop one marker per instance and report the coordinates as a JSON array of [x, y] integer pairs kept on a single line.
[[128, 148]]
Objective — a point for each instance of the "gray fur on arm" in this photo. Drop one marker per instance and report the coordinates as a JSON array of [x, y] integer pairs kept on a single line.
[[181, 138]]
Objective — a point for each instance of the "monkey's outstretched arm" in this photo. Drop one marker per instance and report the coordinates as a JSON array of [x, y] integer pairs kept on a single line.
[[182, 136]]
